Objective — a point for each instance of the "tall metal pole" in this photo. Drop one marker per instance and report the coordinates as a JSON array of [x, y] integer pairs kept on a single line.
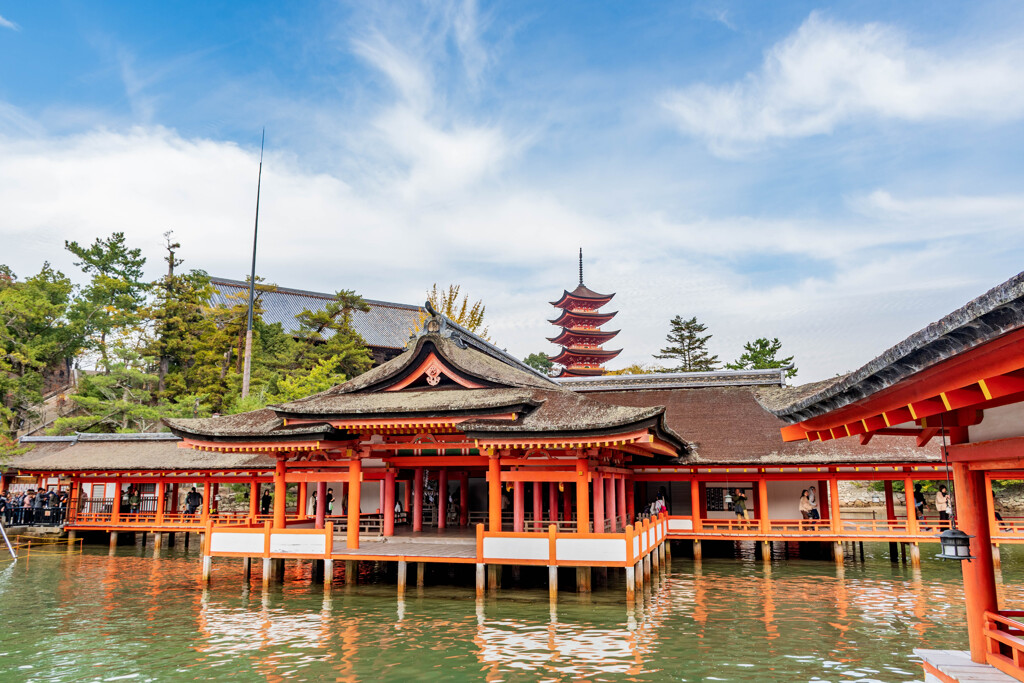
[[252, 277]]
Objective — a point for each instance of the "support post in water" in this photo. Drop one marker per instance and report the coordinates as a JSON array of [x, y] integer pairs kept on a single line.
[[113, 542], [402, 566], [328, 573], [350, 572], [421, 570], [553, 583], [246, 569], [915, 556], [481, 579], [837, 551], [630, 584], [207, 568], [267, 571], [697, 554]]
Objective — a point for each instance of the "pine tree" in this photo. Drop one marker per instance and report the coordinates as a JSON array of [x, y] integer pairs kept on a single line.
[[688, 347], [539, 362], [762, 354]]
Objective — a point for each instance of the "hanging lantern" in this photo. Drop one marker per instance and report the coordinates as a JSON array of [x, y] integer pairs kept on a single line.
[[956, 545], [727, 498]]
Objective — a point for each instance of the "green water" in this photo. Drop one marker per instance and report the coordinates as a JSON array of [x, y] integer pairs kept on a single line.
[[134, 617]]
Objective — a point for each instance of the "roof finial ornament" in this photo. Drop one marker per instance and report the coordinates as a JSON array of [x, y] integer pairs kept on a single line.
[[581, 266]]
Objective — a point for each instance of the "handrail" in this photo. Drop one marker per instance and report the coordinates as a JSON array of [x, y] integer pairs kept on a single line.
[[1004, 642]]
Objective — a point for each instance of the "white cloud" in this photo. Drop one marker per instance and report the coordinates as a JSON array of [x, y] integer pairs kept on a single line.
[[7, 23], [828, 73]]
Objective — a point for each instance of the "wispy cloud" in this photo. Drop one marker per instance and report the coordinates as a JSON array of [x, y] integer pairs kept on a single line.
[[7, 23], [828, 73]]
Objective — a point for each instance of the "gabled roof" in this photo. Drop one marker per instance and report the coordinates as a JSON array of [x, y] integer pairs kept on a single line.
[[387, 325], [448, 372]]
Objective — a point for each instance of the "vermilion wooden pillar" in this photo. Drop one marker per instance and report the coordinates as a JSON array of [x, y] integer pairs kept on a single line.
[[567, 501], [609, 502], [582, 496], [494, 493], [979, 574], [631, 500], [696, 512], [208, 494], [538, 506], [417, 499], [762, 510], [321, 504], [254, 497], [161, 493], [442, 498], [553, 501], [890, 504], [406, 497], [833, 500], [464, 499], [518, 507], [908, 496], [280, 494], [598, 483], [380, 496], [355, 478], [620, 497], [389, 503], [303, 502], [823, 498]]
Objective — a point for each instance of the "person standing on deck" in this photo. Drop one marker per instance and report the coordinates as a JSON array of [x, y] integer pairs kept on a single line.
[[805, 504], [4, 508], [942, 502], [330, 501], [265, 503], [192, 501], [918, 501], [739, 505], [812, 497], [311, 505]]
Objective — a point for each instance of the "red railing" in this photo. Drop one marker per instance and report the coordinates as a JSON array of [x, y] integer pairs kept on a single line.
[[1004, 642]]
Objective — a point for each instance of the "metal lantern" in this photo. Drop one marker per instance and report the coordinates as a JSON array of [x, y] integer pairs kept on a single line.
[[956, 545], [727, 498]]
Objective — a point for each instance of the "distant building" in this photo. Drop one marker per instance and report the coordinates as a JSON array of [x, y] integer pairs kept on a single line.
[[581, 337], [386, 328]]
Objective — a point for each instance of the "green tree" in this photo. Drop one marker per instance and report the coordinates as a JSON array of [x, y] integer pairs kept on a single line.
[[688, 347], [762, 354], [118, 400], [635, 369], [469, 315], [35, 335], [111, 303], [344, 347], [539, 362]]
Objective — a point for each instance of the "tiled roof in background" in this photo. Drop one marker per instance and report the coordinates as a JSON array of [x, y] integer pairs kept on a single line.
[[387, 325]]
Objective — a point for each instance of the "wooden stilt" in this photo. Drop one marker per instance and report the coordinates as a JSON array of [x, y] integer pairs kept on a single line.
[[402, 565], [583, 579], [553, 583], [903, 553], [861, 544], [838, 552], [997, 562], [143, 539], [493, 577], [72, 537], [668, 551], [894, 552], [915, 556], [246, 569], [421, 570], [647, 569], [279, 570], [697, 554], [630, 585], [268, 571], [638, 577], [481, 580], [766, 551], [186, 540], [158, 540], [207, 568], [328, 573], [113, 542], [655, 562], [351, 568]]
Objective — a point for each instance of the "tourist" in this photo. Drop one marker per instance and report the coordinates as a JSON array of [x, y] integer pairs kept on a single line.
[[193, 501], [330, 501], [3, 509], [265, 503], [134, 499], [942, 502], [805, 505], [42, 501], [311, 505], [918, 501], [812, 496], [739, 505]]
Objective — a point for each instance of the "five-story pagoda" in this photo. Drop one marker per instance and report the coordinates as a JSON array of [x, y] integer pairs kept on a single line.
[[581, 337]]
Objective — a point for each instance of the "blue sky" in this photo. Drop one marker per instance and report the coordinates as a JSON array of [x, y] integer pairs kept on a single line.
[[837, 175]]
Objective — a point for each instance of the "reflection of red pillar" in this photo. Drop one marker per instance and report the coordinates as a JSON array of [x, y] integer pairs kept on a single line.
[[417, 499], [321, 503], [609, 502], [552, 501], [494, 494], [538, 506], [389, 503], [598, 503], [979, 575], [442, 498], [519, 507], [620, 495], [464, 499]]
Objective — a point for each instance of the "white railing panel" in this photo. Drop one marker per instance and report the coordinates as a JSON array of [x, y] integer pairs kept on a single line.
[[590, 549], [499, 548], [229, 542], [680, 525], [284, 543]]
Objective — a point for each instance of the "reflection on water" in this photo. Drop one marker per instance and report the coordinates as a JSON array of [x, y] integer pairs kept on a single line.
[[136, 616]]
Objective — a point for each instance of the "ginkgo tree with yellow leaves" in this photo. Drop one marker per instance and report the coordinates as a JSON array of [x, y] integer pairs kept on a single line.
[[469, 315]]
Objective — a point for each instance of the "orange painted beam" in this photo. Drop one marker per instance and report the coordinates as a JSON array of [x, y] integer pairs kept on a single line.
[[539, 475], [1006, 451]]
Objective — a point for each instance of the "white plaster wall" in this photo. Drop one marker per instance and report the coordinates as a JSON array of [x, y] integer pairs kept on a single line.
[[729, 514], [1003, 422], [784, 498]]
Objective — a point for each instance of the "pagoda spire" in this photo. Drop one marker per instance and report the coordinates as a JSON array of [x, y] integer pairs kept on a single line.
[[581, 337]]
